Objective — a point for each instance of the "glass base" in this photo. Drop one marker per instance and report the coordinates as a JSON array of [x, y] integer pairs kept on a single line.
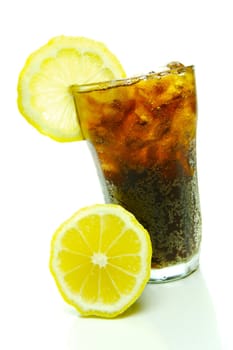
[[175, 272]]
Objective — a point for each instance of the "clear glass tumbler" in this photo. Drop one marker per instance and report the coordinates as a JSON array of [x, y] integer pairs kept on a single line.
[[142, 133]]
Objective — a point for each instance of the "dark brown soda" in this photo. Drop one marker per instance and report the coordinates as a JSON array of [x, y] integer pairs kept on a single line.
[[143, 134]]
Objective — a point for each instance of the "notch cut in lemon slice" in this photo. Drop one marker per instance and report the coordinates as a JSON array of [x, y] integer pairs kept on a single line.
[[100, 259], [44, 97]]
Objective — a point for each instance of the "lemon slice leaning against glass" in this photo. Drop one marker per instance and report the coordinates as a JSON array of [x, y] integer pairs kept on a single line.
[[100, 259], [44, 98]]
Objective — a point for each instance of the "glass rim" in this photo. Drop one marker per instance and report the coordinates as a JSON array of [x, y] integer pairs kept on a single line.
[[172, 68]]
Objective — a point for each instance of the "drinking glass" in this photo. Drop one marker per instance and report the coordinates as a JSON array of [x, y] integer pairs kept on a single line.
[[142, 134]]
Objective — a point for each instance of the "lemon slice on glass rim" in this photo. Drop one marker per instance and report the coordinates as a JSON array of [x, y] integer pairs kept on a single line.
[[44, 97], [100, 259]]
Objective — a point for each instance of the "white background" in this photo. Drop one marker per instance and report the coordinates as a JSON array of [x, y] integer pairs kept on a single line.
[[43, 182]]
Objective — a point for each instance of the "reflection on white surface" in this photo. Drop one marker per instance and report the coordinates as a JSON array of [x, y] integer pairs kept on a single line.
[[176, 315]]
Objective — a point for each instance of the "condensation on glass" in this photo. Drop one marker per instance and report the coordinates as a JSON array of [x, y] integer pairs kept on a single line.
[[142, 132]]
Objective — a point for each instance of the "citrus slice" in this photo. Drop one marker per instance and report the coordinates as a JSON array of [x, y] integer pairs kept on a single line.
[[100, 259], [44, 98]]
